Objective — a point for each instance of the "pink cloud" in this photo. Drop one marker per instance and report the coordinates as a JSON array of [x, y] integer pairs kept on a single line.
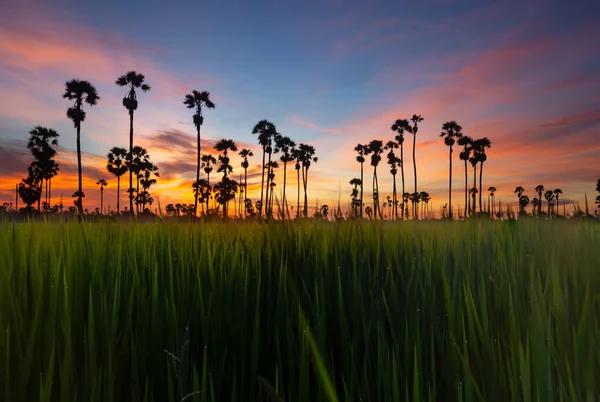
[[305, 123]]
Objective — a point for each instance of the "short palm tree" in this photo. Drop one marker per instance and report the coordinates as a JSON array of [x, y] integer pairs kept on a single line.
[[117, 165], [466, 142], [492, 191], [306, 154], [540, 190], [132, 80], [225, 191], [535, 202], [451, 131], [80, 92], [523, 202], [286, 146], [399, 127], [102, 183], [480, 145], [41, 144], [356, 202], [375, 149], [207, 165], [198, 100], [224, 146], [414, 129], [245, 154], [557, 192], [549, 196], [360, 158], [393, 161]]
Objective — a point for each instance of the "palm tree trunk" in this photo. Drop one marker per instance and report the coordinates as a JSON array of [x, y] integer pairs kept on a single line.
[[467, 206], [80, 186], [137, 192], [395, 198], [245, 185], [118, 194], [284, 199], [269, 168], [557, 206], [101, 200], [474, 206], [131, 164], [480, 187], [262, 185], [197, 171], [305, 180], [402, 171], [362, 200], [49, 190], [298, 180], [414, 159], [450, 188]]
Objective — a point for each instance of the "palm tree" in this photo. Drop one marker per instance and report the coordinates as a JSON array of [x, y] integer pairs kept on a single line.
[[400, 126], [136, 161], [557, 192], [356, 202], [523, 202], [81, 92], [466, 142], [416, 119], [225, 191], [393, 161], [117, 165], [225, 146], [286, 145], [480, 146], [297, 166], [451, 131], [102, 183], [271, 166], [266, 132], [306, 155], [535, 202], [492, 191], [245, 154], [40, 144], [207, 162], [549, 196], [132, 80], [376, 149], [360, 158], [198, 100], [425, 198], [539, 190], [149, 177]]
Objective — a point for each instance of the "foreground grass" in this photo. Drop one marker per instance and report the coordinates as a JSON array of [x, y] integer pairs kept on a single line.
[[309, 311]]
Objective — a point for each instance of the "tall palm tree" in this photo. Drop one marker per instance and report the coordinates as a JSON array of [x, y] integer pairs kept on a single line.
[[81, 92], [557, 192], [399, 127], [266, 132], [393, 161], [245, 154], [132, 80], [360, 158], [102, 183], [480, 145], [451, 131], [198, 100], [376, 149], [225, 146], [549, 196], [466, 142], [117, 165], [414, 129], [307, 156], [539, 190], [286, 146]]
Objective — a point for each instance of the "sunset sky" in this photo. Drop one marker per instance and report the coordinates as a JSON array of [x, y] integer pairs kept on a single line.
[[331, 73]]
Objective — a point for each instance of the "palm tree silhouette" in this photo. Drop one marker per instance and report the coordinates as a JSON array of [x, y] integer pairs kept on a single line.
[[245, 154], [400, 126], [225, 191], [207, 162], [376, 149], [226, 185], [557, 192], [393, 161], [451, 131], [132, 80], [549, 196], [492, 191], [360, 158], [416, 119], [306, 155], [480, 146], [81, 92], [539, 190], [271, 166], [40, 144], [519, 192], [297, 157], [149, 177], [425, 198], [535, 202], [266, 131], [466, 142], [198, 100], [136, 162], [523, 202], [286, 146], [117, 165], [356, 202], [102, 183]]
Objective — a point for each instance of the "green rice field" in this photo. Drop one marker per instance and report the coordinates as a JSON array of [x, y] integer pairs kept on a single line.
[[300, 311]]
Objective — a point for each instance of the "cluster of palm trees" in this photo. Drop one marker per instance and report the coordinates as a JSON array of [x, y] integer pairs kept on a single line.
[[551, 197]]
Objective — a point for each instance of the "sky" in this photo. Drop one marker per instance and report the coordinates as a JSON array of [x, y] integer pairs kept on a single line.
[[330, 73]]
